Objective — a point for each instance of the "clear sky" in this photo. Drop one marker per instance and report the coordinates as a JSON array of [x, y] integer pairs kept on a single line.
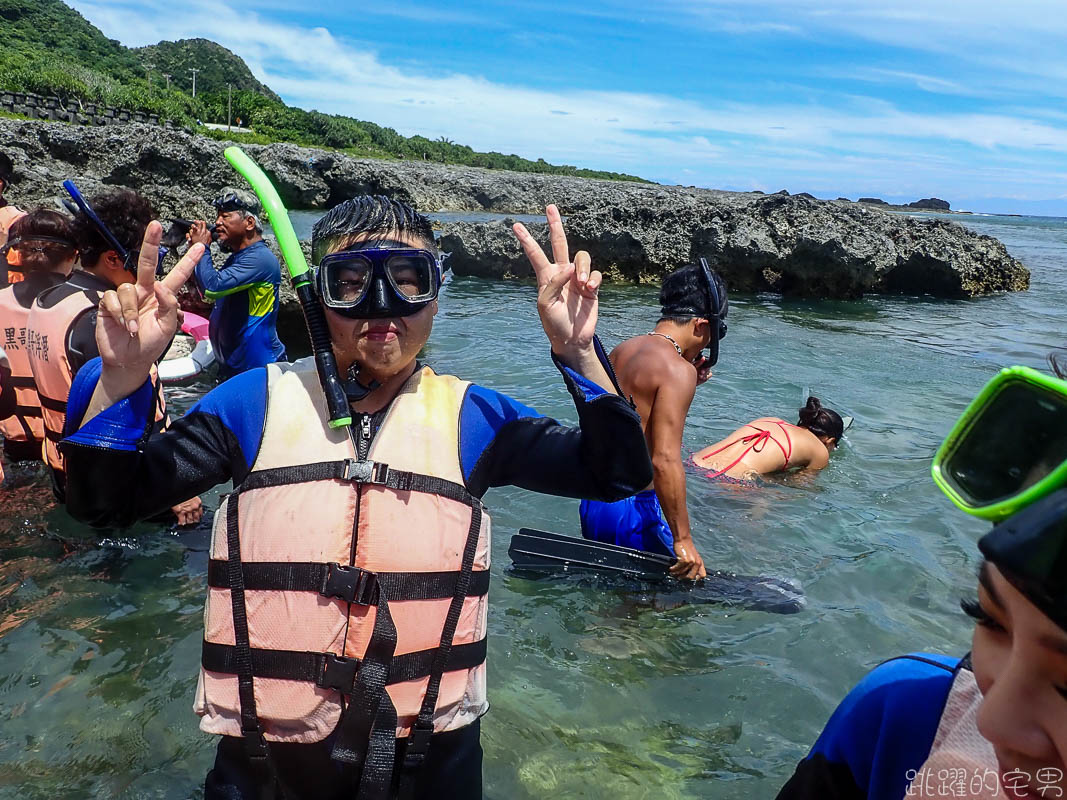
[[914, 98]]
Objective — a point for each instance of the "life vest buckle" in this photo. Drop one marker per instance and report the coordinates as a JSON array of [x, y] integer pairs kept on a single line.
[[372, 472], [338, 673], [353, 584], [418, 745]]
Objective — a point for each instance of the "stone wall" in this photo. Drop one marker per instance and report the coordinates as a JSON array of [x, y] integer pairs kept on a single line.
[[43, 107]]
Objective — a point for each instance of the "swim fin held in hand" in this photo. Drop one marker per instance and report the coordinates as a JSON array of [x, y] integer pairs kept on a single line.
[[541, 554]]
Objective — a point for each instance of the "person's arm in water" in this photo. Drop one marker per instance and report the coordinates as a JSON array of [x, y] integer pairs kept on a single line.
[[666, 423]]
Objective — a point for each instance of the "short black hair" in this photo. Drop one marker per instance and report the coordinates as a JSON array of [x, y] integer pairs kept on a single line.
[[684, 296], [367, 214], [124, 212]]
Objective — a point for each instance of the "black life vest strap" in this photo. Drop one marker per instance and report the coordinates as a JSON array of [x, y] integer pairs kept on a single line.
[[251, 731], [348, 583], [418, 744], [59, 406], [22, 382], [329, 671], [52, 436], [371, 473]]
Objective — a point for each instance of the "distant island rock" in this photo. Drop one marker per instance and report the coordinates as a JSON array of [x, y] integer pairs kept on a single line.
[[874, 201], [931, 204]]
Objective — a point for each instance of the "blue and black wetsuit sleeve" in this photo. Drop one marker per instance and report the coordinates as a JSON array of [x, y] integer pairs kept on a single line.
[[243, 270], [504, 443], [119, 470], [879, 735]]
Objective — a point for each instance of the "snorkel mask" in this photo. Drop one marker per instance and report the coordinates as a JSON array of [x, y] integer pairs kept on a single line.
[[379, 282], [1006, 460], [129, 257]]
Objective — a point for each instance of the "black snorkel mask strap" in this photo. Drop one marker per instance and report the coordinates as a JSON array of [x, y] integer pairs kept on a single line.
[[1030, 549], [714, 313]]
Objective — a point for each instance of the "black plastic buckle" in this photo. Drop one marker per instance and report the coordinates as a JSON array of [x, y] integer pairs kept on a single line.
[[354, 584], [372, 472], [418, 745], [255, 745], [337, 672]]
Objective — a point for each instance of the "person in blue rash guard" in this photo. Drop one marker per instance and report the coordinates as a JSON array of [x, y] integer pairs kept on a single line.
[[245, 290], [992, 724], [390, 501]]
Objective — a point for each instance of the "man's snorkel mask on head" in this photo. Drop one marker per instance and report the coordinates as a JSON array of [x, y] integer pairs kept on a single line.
[[81, 206], [1006, 460], [715, 308]]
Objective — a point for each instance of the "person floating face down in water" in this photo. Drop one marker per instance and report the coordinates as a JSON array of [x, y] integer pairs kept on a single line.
[[365, 545], [769, 444], [992, 724], [660, 371]]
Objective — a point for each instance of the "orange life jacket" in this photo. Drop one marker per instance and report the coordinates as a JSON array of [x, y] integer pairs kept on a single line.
[[8, 215], [335, 574], [49, 327], [26, 424]]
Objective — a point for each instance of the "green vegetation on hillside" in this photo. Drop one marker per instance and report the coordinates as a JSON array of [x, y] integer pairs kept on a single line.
[[49, 48], [216, 67]]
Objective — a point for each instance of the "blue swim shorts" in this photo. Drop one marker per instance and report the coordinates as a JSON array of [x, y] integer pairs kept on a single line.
[[636, 522]]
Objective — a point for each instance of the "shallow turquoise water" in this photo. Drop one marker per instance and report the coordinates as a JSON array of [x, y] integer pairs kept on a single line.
[[593, 692]]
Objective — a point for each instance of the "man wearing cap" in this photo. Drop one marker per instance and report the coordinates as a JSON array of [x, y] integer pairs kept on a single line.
[[245, 290], [660, 372]]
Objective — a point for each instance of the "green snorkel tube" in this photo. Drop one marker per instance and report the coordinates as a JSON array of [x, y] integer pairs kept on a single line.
[[300, 275]]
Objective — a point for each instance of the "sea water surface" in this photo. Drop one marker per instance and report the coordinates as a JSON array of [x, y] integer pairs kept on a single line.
[[595, 692]]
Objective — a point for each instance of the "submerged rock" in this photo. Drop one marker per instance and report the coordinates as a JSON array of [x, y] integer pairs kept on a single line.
[[795, 244]]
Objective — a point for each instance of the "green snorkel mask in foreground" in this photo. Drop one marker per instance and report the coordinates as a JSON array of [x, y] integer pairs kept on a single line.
[[1006, 460]]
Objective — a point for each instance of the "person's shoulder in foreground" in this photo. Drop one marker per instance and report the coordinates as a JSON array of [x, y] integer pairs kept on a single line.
[[879, 734]]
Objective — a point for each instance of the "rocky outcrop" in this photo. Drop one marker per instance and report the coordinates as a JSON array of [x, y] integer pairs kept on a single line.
[[931, 204], [637, 232], [792, 245]]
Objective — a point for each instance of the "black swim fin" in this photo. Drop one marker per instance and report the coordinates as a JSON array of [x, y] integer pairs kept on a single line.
[[542, 553]]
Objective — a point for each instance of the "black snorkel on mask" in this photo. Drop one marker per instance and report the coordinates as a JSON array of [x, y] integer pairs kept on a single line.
[[1030, 549], [718, 308]]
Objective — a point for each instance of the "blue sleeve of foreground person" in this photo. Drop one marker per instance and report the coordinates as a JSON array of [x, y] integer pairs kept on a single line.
[[502, 442], [882, 731]]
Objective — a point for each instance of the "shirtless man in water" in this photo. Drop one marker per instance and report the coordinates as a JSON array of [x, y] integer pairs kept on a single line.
[[660, 372]]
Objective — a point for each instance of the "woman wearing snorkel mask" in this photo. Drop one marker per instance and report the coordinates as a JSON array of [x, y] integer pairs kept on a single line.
[[994, 723], [769, 444]]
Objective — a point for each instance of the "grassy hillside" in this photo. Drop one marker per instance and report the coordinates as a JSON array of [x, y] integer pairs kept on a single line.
[[50, 48], [217, 67]]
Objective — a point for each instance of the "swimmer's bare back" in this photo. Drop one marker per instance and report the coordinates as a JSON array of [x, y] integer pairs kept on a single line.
[[761, 447]]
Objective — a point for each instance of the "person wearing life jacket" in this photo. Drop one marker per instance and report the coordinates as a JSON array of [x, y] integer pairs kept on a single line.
[[9, 259], [769, 444], [45, 241], [661, 370], [344, 641], [993, 723], [245, 289], [63, 318]]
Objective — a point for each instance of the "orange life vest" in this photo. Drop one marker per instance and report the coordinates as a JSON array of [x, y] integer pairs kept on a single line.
[[8, 215], [338, 574], [26, 424], [49, 327]]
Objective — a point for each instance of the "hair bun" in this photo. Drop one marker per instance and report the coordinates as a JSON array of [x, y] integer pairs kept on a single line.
[[810, 411]]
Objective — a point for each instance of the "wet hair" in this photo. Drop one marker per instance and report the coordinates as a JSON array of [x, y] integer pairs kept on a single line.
[[368, 214], [43, 255], [684, 295], [821, 421], [124, 212]]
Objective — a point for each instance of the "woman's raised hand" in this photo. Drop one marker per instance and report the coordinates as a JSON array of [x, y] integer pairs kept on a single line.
[[136, 322]]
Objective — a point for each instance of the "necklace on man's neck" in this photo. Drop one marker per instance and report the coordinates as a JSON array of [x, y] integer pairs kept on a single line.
[[669, 339]]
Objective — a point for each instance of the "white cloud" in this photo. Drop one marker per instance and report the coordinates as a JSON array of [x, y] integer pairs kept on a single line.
[[863, 146]]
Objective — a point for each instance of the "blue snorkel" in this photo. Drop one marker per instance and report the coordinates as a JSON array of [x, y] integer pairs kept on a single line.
[[82, 207]]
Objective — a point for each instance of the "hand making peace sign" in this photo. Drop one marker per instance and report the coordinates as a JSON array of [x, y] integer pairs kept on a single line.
[[566, 298]]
